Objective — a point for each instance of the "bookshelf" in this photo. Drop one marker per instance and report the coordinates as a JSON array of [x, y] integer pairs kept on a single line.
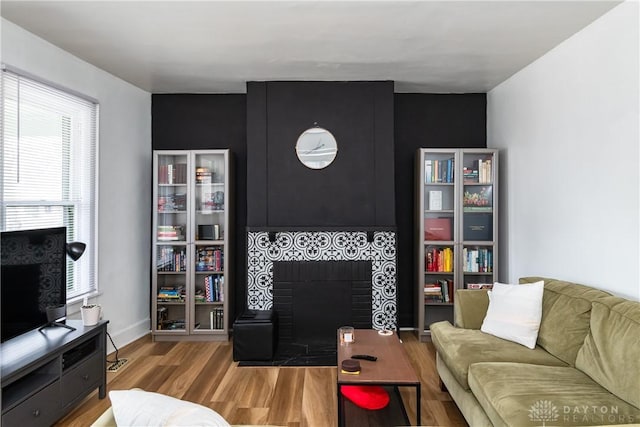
[[192, 237], [456, 218]]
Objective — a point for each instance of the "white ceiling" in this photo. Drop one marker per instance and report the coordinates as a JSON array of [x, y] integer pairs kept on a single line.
[[217, 46]]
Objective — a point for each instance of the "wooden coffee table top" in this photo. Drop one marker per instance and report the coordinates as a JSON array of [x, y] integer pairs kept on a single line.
[[392, 367]]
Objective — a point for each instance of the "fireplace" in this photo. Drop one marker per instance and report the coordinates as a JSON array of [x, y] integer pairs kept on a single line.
[[314, 298], [270, 251]]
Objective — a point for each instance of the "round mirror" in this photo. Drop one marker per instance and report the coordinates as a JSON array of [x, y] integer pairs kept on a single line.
[[316, 148]]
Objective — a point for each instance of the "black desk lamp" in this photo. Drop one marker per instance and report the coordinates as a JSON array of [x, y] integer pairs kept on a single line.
[[75, 251]]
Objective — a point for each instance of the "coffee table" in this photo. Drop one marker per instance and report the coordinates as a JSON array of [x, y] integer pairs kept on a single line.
[[391, 369]]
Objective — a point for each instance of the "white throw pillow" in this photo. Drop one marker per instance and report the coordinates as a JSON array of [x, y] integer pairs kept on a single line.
[[144, 408], [515, 312]]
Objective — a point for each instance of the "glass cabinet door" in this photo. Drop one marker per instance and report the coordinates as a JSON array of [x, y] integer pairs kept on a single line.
[[171, 224], [478, 222], [439, 225], [210, 200]]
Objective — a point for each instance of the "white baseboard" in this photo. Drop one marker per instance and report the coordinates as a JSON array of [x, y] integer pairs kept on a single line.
[[128, 335]]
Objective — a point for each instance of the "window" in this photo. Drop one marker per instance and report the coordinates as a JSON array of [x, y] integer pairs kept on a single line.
[[48, 159]]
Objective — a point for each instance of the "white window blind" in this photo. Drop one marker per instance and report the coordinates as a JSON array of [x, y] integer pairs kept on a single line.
[[48, 159]]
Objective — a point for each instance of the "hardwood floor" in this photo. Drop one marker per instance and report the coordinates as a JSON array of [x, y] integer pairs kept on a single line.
[[294, 397]]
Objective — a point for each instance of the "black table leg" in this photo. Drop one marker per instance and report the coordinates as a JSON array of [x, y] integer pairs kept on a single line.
[[340, 408], [418, 409]]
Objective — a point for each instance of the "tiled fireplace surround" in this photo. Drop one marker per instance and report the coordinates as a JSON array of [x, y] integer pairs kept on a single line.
[[266, 247]]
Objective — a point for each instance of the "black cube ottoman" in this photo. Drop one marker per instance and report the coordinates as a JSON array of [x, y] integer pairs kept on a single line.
[[255, 335]]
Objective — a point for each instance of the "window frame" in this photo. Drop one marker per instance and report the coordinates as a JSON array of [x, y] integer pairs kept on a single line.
[[88, 233]]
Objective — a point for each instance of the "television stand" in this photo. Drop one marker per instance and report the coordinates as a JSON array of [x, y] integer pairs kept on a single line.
[[44, 375], [53, 324]]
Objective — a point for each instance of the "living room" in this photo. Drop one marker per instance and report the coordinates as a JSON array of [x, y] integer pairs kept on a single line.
[[565, 125]]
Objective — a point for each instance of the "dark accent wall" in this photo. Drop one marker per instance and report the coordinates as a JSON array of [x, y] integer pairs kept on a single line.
[[427, 121], [355, 190], [185, 121], [200, 122]]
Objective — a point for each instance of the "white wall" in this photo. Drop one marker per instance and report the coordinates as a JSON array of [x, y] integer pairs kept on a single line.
[[124, 158], [568, 129]]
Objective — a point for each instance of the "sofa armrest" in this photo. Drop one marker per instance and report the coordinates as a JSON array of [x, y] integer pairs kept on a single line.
[[470, 307]]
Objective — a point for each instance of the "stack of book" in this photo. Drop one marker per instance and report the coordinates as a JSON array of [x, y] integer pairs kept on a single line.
[[172, 203], [480, 173], [170, 232], [171, 293], [203, 175], [470, 176], [440, 291]]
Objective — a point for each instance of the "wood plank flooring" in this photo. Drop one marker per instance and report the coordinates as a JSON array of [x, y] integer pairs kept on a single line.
[[289, 396]]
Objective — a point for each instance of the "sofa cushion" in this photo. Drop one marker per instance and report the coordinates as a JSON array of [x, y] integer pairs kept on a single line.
[[566, 310], [518, 394], [515, 312], [610, 351], [460, 348]]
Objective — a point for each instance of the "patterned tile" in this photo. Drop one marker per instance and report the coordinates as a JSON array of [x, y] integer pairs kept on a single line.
[[325, 246]]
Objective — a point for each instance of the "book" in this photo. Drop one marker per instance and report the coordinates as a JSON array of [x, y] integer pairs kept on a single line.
[[435, 200], [428, 171], [478, 198], [437, 229], [478, 226]]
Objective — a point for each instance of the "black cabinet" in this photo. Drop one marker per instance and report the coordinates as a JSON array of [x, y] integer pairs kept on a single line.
[[44, 373]]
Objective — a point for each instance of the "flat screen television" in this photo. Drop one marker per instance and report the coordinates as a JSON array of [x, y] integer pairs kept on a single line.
[[33, 277]]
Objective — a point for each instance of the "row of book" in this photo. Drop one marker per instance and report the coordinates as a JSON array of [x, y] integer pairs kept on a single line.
[[172, 174], [172, 202], [210, 258], [171, 259], [171, 293], [213, 289], [170, 232], [439, 259], [477, 260], [438, 171], [439, 291], [216, 318], [479, 173]]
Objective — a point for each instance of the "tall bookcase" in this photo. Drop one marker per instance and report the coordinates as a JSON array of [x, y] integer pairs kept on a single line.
[[192, 237], [456, 230]]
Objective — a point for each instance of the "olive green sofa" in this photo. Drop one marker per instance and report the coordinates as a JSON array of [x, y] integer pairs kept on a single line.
[[584, 370]]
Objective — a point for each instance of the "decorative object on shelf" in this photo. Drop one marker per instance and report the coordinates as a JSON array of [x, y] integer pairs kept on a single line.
[[435, 200], [316, 148], [91, 313]]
